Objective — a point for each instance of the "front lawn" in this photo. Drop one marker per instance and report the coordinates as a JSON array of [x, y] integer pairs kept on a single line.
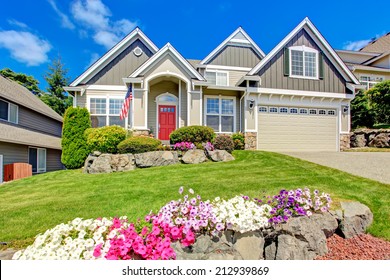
[[31, 206]]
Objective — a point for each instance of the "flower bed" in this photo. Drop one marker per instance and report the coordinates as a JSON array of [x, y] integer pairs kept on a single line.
[[180, 221]]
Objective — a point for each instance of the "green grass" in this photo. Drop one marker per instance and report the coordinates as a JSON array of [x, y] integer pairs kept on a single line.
[[382, 125], [32, 205]]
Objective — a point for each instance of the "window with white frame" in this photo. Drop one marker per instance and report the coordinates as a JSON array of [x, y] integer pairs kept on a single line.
[[331, 112], [303, 111], [105, 111], [370, 81], [37, 159], [218, 78], [313, 112], [263, 109], [321, 112], [283, 110], [273, 109], [293, 110], [220, 113], [8, 111], [303, 62]]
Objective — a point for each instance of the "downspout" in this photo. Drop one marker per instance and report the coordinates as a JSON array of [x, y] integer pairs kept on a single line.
[[245, 93]]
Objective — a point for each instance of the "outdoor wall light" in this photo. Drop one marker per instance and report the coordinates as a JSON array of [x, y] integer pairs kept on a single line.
[[251, 104], [345, 109]]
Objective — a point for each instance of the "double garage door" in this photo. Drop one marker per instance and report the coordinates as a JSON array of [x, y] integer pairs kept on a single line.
[[297, 129]]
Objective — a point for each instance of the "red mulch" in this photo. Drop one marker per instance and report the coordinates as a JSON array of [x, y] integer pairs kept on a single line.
[[360, 247]]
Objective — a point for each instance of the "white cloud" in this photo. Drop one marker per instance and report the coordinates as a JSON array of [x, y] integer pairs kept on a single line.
[[25, 47], [356, 45], [96, 16], [65, 21], [17, 23]]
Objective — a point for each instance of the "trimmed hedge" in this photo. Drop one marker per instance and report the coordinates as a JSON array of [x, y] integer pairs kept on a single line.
[[74, 142], [105, 139], [224, 142], [195, 134], [138, 144], [239, 141]]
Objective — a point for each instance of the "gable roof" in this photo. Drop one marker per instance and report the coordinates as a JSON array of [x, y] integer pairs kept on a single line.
[[238, 37], [114, 52], [382, 44], [372, 60], [19, 95], [306, 22], [167, 49]]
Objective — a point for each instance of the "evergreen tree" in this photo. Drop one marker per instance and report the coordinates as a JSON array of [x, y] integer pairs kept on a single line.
[[27, 81]]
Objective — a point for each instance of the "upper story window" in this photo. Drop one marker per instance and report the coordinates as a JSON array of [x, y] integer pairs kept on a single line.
[[303, 62], [105, 111], [370, 81], [218, 78], [8, 111]]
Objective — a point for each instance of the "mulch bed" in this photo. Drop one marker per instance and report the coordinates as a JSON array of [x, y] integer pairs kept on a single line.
[[360, 247]]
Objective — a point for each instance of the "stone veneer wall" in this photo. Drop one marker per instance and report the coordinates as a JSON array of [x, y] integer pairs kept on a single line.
[[345, 141], [250, 140], [139, 132], [378, 138]]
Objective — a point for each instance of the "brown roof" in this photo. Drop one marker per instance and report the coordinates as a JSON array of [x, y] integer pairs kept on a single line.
[[17, 135], [194, 62], [20, 95], [380, 45]]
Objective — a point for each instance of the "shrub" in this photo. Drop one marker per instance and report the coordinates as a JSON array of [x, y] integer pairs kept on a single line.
[[379, 100], [224, 142], [239, 141], [74, 142], [362, 114], [105, 139], [194, 134], [138, 144]]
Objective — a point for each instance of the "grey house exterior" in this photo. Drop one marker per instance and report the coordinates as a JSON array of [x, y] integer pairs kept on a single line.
[[30, 131], [294, 98]]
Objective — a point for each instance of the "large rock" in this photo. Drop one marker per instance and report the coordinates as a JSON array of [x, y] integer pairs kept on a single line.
[[326, 222], [291, 248], [355, 219], [107, 163], [194, 157], [220, 155], [358, 141], [250, 245], [380, 141], [159, 158]]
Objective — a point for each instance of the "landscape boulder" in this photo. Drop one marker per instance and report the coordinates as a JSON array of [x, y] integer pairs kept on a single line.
[[354, 217], [358, 141], [380, 141], [107, 163], [220, 155], [158, 158], [194, 157]]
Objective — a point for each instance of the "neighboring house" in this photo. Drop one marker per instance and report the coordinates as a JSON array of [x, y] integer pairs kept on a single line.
[[30, 131], [371, 64], [295, 98]]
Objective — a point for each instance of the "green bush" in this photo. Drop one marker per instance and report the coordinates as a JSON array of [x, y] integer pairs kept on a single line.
[[362, 114], [194, 134], [74, 142], [224, 142], [239, 141], [138, 144], [105, 139], [379, 101]]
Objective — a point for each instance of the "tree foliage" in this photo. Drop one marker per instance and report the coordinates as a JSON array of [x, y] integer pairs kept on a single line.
[[379, 101], [27, 81], [361, 112], [74, 141]]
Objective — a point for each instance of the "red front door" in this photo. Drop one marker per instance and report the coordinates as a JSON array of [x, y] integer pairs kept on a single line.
[[166, 121]]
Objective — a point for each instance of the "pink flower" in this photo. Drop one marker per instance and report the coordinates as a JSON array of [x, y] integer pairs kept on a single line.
[[97, 251], [155, 230], [144, 231]]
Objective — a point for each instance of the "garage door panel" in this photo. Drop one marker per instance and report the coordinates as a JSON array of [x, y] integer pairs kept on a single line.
[[287, 132]]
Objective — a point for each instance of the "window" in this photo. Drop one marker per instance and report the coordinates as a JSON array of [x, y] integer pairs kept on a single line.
[[332, 112], [273, 110], [370, 81], [220, 113], [105, 111], [303, 62], [313, 111], [293, 110], [263, 109], [283, 110], [37, 159], [8, 112], [217, 77], [303, 111], [322, 112]]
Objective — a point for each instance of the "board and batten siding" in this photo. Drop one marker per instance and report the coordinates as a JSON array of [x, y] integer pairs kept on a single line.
[[122, 66], [35, 121], [238, 56], [272, 74]]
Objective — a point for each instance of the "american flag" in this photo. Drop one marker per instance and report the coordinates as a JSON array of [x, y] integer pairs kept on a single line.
[[126, 103]]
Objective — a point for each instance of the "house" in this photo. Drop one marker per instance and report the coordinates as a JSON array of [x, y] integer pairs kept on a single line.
[[371, 64], [30, 131], [294, 98]]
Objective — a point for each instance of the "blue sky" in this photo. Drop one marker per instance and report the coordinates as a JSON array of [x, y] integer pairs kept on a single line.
[[34, 32]]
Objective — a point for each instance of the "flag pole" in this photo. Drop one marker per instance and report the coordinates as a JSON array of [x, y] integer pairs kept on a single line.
[[131, 111]]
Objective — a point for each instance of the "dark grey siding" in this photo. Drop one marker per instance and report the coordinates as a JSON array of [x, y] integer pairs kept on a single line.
[[53, 160], [13, 153], [122, 66], [272, 75], [236, 56], [34, 121]]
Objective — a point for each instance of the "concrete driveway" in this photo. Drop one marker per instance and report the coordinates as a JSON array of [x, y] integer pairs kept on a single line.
[[374, 166]]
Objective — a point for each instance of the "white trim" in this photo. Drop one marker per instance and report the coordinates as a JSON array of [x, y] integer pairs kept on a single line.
[[28, 158], [220, 111], [302, 93], [75, 100], [107, 97], [304, 50], [228, 39], [112, 53], [216, 71], [201, 106], [166, 104], [179, 105], [305, 22], [107, 87], [9, 112], [189, 96], [168, 48], [223, 67]]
